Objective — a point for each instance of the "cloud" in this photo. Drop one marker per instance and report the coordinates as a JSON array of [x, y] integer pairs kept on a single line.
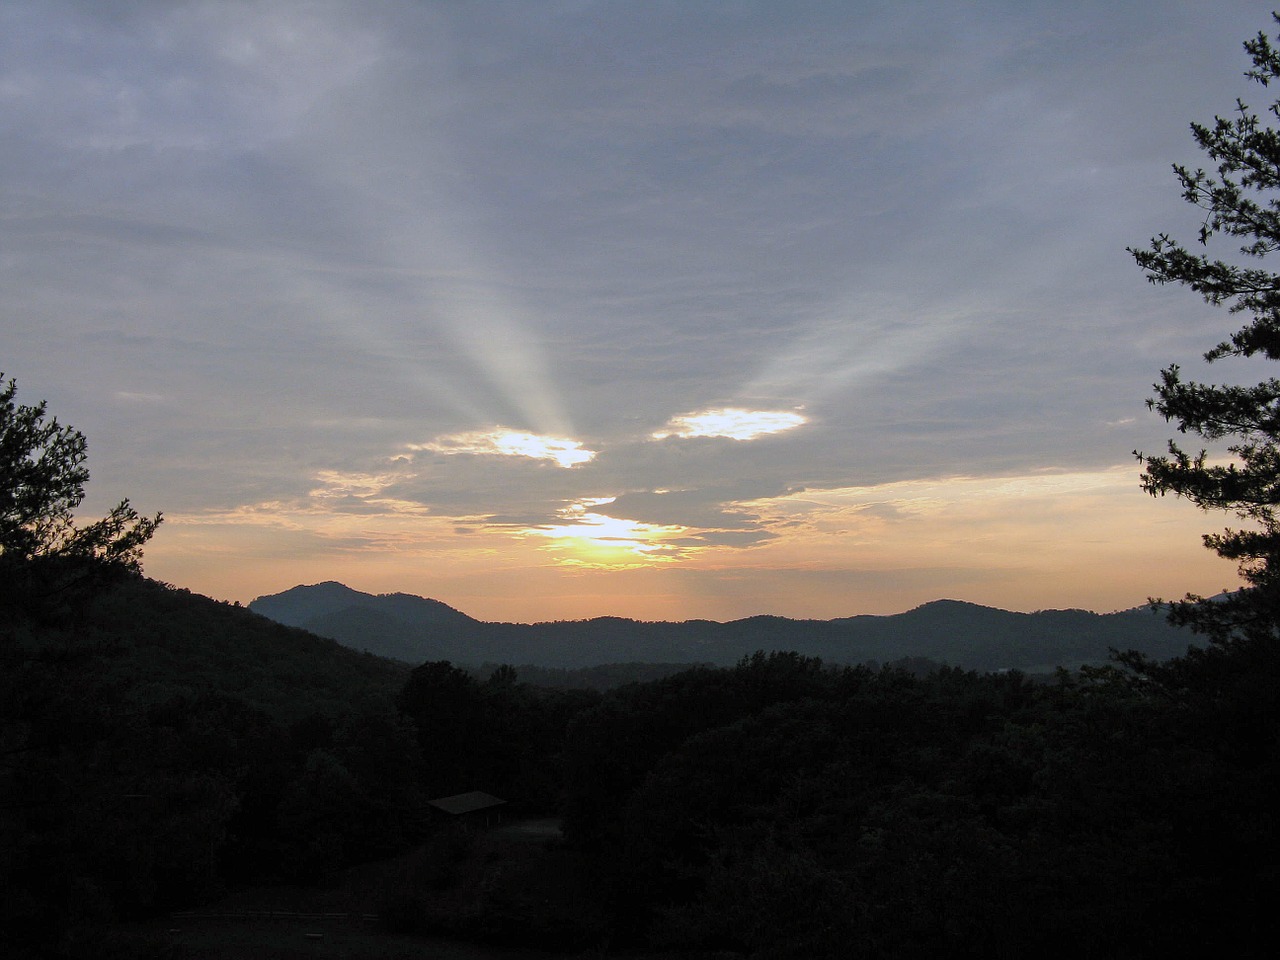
[[709, 517], [734, 423], [707, 507], [364, 485], [510, 443]]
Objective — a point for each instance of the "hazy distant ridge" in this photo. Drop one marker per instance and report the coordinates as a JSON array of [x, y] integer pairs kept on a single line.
[[416, 629]]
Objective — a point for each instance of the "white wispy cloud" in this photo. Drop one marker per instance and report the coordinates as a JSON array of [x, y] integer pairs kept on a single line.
[[734, 423], [510, 443]]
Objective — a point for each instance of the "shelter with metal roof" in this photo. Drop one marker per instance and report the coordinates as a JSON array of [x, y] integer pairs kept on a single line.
[[473, 807]]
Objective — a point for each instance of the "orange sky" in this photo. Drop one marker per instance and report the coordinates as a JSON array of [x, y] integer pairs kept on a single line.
[[1051, 539]]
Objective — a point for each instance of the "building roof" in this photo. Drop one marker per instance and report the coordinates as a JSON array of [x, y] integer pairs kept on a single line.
[[461, 803]]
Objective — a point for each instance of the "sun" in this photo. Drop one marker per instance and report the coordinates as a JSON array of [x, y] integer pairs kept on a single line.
[[596, 540]]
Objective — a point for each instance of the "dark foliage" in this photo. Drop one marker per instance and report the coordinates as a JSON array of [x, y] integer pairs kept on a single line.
[[602, 677], [780, 809], [498, 735]]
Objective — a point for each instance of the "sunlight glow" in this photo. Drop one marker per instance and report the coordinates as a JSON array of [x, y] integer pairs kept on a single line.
[[510, 443], [732, 422], [595, 540], [1062, 527]]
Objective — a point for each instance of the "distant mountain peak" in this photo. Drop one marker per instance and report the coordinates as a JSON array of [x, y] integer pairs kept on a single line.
[[328, 586], [308, 606], [948, 604]]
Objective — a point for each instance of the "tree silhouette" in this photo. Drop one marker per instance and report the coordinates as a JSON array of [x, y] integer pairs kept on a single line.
[[42, 478], [1237, 203]]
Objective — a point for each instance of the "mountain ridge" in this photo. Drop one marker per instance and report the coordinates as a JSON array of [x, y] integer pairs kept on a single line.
[[416, 629]]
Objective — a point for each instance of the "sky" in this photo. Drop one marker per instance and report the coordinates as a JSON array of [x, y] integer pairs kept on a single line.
[[552, 310]]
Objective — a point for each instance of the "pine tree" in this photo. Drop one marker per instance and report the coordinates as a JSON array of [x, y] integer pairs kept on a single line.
[[1236, 204]]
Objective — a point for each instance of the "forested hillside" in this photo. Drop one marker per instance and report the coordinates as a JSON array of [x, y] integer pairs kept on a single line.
[[161, 748], [780, 807], [171, 642]]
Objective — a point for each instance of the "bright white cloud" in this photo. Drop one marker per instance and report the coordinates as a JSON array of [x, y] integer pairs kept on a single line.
[[734, 423], [510, 443]]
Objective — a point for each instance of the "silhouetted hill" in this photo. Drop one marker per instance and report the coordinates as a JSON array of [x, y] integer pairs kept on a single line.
[[415, 630], [170, 642], [302, 606]]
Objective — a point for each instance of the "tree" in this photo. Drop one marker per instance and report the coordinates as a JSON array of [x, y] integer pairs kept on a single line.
[[42, 478], [1236, 204], [89, 823], [446, 707]]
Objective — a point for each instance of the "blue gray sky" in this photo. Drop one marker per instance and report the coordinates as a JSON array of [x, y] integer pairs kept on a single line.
[[667, 310]]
